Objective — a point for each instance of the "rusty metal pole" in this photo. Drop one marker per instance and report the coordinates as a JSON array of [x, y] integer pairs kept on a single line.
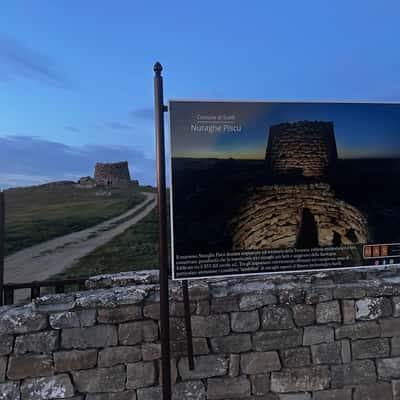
[[159, 110], [2, 245], [188, 324]]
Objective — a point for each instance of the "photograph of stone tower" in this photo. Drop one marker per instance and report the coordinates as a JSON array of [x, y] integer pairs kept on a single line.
[[299, 214], [258, 176]]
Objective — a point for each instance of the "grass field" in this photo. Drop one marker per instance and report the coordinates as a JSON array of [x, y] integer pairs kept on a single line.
[[136, 248], [39, 213]]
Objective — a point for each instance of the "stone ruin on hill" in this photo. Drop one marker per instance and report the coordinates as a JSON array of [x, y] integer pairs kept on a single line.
[[112, 174], [109, 175], [303, 214]]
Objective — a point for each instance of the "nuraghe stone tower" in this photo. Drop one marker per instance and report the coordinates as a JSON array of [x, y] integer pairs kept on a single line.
[[303, 214], [112, 174], [307, 148]]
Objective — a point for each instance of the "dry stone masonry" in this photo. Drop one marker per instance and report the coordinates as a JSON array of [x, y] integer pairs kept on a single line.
[[112, 174], [307, 148], [306, 337], [300, 214], [271, 217]]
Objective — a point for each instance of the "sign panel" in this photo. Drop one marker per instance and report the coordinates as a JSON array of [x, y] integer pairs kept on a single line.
[[266, 187]]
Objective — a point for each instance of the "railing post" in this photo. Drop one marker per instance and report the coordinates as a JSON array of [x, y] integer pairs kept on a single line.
[[2, 245], [60, 288], [8, 296], [35, 292]]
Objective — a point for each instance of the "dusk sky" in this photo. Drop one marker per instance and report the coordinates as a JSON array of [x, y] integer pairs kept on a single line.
[[362, 130], [76, 79]]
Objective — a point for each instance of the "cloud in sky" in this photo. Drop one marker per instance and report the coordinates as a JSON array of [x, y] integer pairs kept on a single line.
[[27, 160], [72, 128], [119, 126], [17, 60], [144, 113]]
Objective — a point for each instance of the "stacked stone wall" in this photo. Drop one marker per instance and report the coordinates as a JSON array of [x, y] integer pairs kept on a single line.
[[112, 173], [307, 148], [271, 217], [303, 337]]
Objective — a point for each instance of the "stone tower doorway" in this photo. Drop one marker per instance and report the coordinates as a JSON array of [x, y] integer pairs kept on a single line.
[[308, 232]]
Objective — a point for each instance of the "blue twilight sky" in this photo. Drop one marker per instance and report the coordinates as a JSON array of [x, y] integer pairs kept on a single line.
[[76, 76], [241, 130]]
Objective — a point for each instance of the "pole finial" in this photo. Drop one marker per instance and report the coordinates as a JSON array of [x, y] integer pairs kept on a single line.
[[157, 68]]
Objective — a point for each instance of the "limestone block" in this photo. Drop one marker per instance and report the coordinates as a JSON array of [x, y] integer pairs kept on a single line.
[[259, 362], [373, 308], [224, 305], [395, 346], [276, 318], [359, 330], [348, 311], [388, 368], [231, 343], [6, 344], [101, 380], [275, 340], [131, 333], [295, 396], [354, 373], [234, 365], [65, 361], [318, 295], [140, 374], [193, 390], [40, 342], [390, 327], [22, 320], [256, 300], [126, 395], [232, 388], [210, 326], [150, 351], [374, 391], [328, 312], [119, 355], [3, 367], [371, 348], [119, 314], [53, 387], [91, 337], [303, 314], [297, 357], [29, 366], [245, 321], [334, 394], [64, 319], [300, 379], [259, 384], [317, 334], [9, 391], [205, 367], [327, 353]]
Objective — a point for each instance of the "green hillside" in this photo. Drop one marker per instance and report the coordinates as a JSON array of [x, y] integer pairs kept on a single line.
[[39, 213]]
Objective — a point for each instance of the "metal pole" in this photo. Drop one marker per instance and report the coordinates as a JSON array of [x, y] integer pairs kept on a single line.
[[188, 324], [2, 245], [162, 233]]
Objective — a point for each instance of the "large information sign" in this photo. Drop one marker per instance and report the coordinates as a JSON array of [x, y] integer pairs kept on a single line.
[[264, 187]]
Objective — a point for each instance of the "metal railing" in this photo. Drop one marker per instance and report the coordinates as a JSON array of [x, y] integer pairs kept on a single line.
[[59, 286]]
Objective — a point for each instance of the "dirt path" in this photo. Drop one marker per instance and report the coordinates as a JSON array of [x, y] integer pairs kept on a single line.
[[46, 259]]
